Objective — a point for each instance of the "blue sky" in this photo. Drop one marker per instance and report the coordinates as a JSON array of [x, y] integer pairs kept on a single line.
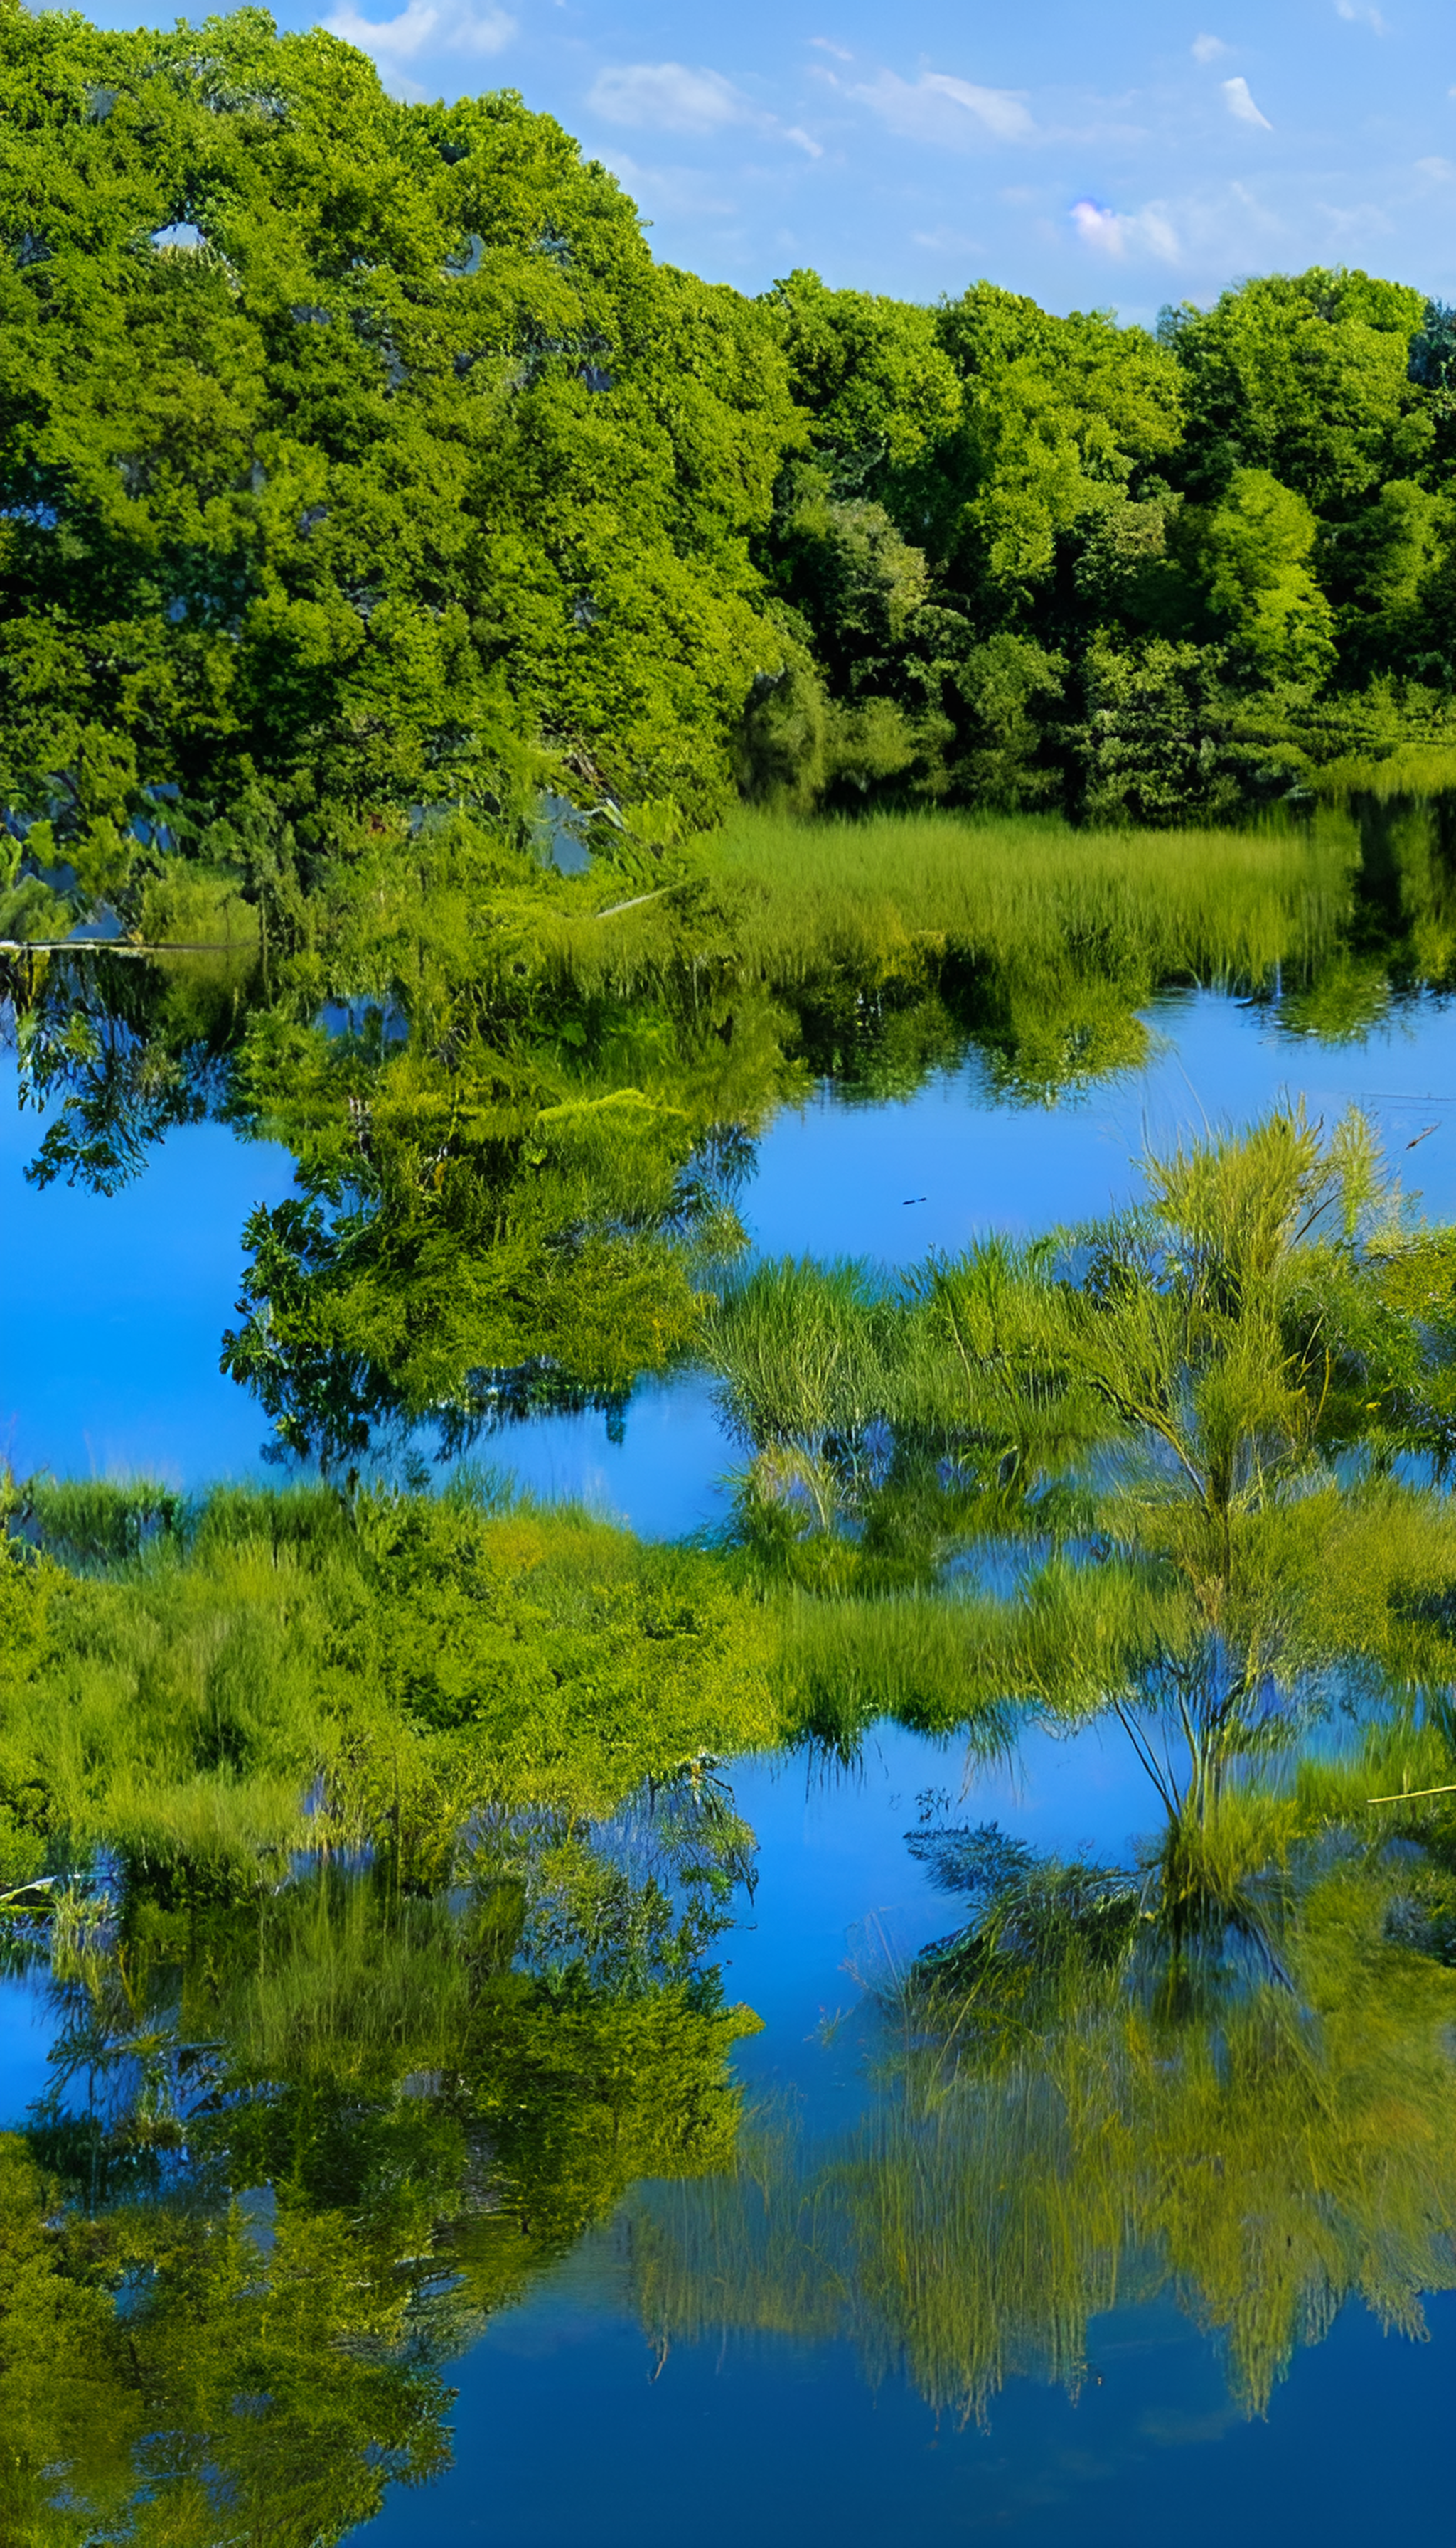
[[1121, 155]]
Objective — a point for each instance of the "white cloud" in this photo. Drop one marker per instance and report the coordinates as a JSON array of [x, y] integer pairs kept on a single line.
[[1238, 102], [1441, 169], [1207, 49], [431, 27], [1358, 17], [824, 46], [666, 97], [1145, 234], [937, 108]]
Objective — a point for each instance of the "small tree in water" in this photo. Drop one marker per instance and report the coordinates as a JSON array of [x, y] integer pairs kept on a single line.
[[1172, 1442], [1253, 1553]]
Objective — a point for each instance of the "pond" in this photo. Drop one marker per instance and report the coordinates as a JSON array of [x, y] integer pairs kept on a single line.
[[148, 1277], [910, 2307]]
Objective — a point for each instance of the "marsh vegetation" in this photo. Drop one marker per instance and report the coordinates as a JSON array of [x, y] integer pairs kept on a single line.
[[525, 720]]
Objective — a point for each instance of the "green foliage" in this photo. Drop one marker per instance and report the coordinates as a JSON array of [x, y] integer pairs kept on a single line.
[[357, 455], [403, 1660], [871, 372], [1253, 550], [1122, 577], [1307, 377], [359, 463], [1060, 413]]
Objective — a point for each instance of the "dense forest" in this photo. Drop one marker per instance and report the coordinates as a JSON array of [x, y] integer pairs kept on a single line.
[[358, 460]]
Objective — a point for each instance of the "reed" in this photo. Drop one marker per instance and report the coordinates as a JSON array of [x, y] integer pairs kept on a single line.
[[780, 901], [1223, 905]]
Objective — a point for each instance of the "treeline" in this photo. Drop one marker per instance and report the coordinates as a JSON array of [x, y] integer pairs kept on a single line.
[[358, 459]]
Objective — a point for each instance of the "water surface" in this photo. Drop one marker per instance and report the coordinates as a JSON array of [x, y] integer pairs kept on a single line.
[[571, 2425], [111, 1308]]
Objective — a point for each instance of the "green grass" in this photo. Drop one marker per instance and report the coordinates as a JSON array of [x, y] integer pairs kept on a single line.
[[1217, 904], [399, 1660]]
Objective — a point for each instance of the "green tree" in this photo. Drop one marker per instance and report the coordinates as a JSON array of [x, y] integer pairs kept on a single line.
[[871, 372], [1060, 414], [1252, 554], [356, 454], [1305, 375]]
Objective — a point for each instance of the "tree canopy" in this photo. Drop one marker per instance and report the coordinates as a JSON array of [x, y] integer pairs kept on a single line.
[[358, 458]]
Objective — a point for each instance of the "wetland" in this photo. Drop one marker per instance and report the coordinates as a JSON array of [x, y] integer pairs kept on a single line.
[[747, 1735], [727, 1364]]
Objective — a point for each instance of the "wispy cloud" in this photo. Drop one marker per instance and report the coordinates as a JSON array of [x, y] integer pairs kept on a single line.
[[1357, 16], [667, 97], [1208, 48], [953, 112], [433, 27], [1148, 233], [822, 45], [1239, 103]]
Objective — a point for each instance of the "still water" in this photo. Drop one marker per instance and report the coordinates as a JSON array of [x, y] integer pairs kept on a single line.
[[148, 1277], [571, 2425]]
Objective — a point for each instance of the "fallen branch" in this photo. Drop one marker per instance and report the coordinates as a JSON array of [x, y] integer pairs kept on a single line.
[[123, 946]]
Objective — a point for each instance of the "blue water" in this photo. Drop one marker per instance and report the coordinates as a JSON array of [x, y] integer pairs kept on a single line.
[[565, 2439], [569, 2434], [110, 1311], [112, 1307], [109, 1315], [26, 2032]]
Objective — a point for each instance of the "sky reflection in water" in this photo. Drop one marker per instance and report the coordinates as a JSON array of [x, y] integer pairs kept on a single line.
[[148, 1278], [770, 2437]]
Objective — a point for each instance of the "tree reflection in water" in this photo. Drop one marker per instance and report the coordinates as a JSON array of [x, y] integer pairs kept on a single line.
[[1073, 2117], [298, 2152]]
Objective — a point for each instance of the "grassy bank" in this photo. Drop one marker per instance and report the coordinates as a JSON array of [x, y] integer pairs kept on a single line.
[[780, 900]]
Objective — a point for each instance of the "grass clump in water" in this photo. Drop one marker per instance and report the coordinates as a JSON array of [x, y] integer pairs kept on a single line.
[[300, 1670]]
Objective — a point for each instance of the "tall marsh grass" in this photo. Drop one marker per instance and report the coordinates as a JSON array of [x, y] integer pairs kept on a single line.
[[1220, 905], [780, 902]]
